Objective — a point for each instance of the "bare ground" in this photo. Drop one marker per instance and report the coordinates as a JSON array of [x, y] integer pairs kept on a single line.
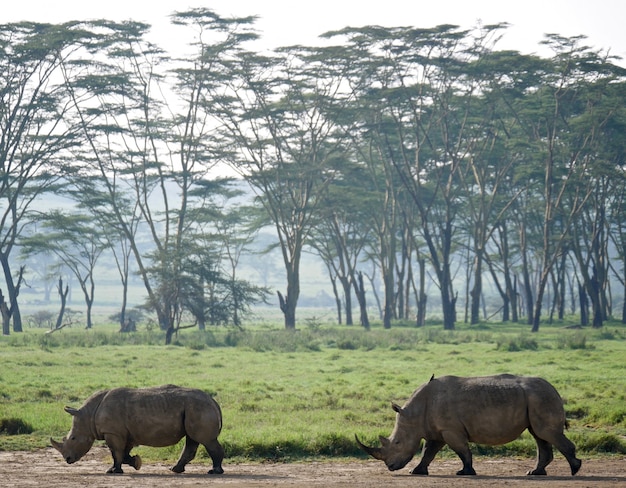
[[46, 468]]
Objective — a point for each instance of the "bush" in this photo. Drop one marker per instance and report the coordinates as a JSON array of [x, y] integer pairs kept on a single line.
[[599, 442], [572, 341], [15, 426], [516, 344]]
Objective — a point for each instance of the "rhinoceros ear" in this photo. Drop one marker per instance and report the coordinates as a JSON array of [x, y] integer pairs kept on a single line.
[[396, 408], [72, 411]]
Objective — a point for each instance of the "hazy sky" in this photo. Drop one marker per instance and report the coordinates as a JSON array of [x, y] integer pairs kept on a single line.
[[285, 22]]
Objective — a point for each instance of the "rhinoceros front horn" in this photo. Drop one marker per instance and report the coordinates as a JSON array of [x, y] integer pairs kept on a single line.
[[57, 445], [375, 452]]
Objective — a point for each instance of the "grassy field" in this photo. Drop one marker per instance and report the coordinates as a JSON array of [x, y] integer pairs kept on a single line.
[[304, 394]]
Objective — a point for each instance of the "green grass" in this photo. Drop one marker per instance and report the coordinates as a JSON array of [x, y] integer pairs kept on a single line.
[[304, 394]]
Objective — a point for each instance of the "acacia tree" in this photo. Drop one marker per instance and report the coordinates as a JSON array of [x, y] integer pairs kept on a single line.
[[35, 129], [416, 106], [276, 114], [560, 158], [342, 235], [77, 242], [150, 136], [601, 108]]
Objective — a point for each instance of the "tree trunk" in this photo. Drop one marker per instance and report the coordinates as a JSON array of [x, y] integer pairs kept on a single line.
[[6, 316], [359, 290], [13, 291], [338, 304], [289, 310], [422, 298], [63, 295], [584, 305], [476, 292], [347, 295]]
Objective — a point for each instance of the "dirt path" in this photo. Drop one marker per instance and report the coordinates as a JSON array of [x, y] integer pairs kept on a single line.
[[46, 468]]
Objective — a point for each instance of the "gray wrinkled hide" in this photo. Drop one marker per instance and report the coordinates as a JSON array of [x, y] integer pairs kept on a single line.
[[487, 410], [157, 417]]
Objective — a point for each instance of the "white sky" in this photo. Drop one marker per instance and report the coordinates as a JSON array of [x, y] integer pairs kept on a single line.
[[286, 22]]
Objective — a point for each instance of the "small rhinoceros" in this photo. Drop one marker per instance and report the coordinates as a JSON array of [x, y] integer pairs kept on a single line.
[[489, 410], [157, 417]]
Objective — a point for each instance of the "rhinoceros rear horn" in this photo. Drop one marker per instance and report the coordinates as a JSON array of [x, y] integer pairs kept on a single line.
[[375, 452], [72, 411]]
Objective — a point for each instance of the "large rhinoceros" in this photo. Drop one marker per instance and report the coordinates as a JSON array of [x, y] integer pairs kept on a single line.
[[489, 410], [157, 417]]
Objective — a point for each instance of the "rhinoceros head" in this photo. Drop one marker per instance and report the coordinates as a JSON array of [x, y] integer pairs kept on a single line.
[[79, 439], [397, 450]]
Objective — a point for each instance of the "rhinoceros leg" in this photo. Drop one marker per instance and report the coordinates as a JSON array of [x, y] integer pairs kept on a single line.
[[431, 448], [544, 451], [458, 442], [568, 449], [118, 450], [544, 456], [134, 461], [189, 452], [216, 451]]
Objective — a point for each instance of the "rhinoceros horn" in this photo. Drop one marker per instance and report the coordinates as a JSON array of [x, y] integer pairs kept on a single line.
[[375, 452], [57, 445]]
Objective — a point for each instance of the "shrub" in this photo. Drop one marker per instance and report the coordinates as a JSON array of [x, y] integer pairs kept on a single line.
[[515, 344], [572, 341], [15, 426]]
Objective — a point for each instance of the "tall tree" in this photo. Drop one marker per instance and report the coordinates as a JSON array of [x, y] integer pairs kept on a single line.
[[276, 115], [148, 122], [77, 243], [36, 133], [561, 158]]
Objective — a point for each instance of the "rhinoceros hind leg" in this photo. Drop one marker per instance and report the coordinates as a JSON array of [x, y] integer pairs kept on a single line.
[[575, 465], [134, 461], [544, 455], [216, 451], [466, 471], [568, 449], [189, 452]]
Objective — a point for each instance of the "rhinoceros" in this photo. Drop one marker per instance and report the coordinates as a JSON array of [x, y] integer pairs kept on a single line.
[[159, 416], [489, 410]]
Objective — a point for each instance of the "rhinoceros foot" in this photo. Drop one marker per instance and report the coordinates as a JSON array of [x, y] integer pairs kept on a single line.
[[537, 472], [420, 470], [216, 471], [178, 469], [466, 472], [115, 470], [136, 462]]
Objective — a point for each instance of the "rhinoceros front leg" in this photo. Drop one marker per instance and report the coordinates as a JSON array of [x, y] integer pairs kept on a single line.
[[189, 452], [118, 450], [458, 442], [431, 448]]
